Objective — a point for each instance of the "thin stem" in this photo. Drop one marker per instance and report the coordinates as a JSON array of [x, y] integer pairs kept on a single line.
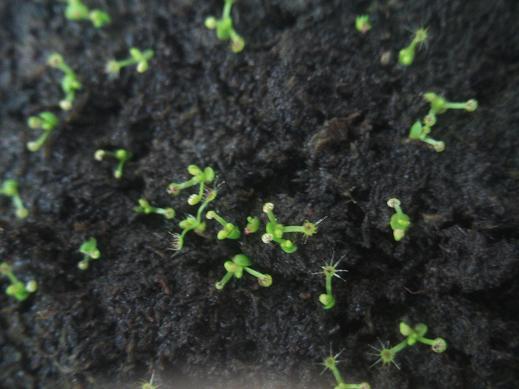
[[254, 273], [225, 279], [449, 105], [300, 229], [329, 284], [227, 9]]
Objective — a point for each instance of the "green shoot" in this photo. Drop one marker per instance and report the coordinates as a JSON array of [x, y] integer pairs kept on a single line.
[[440, 104], [76, 11], [90, 252], [137, 57], [330, 363], [69, 83], [329, 270], [224, 27], [387, 354], [149, 384], [45, 121], [229, 230], [399, 222], [421, 132], [362, 24], [235, 268], [121, 155], [275, 231], [9, 188], [145, 208], [406, 55], [17, 289], [200, 178], [253, 225]]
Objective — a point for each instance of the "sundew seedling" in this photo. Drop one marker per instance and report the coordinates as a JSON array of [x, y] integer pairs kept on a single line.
[[45, 121], [253, 225], [146, 208], [69, 83], [406, 55], [237, 266], [228, 231], [275, 231], [329, 271], [386, 355], [90, 252], [362, 24], [121, 155], [420, 131], [201, 177], [76, 11], [399, 221], [17, 288], [225, 29], [137, 57], [10, 189], [440, 104], [330, 363]]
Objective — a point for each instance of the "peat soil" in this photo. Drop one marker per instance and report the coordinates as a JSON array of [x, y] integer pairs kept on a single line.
[[312, 116]]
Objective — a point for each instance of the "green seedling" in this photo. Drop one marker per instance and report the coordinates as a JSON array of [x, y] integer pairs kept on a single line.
[[90, 252], [137, 57], [420, 131], [145, 208], [440, 105], [121, 155], [69, 83], [201, 177], [329, 270], [17, 288], [330, 363], [253, 225], [275, 231], [362, 24], [149, 384], [77, 11], [415, 335], [229, 230], [235, 268], [406, 55], [399, 222], [224, 27], [9, 188], [45, 121]]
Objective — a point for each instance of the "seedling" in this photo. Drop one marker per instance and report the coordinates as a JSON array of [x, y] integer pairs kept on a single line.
[[121, 155], [17, 288], [149, 384], [275, 231], [420, 131], [440, 105], [406, 55], [145, 208], [229, 230], [137, 57], [415, 335], [399, 222], [330, 363], [45, 121], [90, 252], [329, 270], [69, 83], [235, 268], [9, 188], [200, 178], [77, 11], [253, 225], [224, 27], [362, 24]]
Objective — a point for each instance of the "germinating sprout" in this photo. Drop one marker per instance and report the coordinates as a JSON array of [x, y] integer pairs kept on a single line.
[[201, 177], [253, 225], [146, 208], [399, 222], [329, 271], [76, 10], [406, 55], [10, 189], [69, 83], [420, 131], [330, 363], [121, 155], [45, 121], [225, 29], [440, 105], [17, 288], [228, 231], [149, 384], [362, 24], [236, 266], [137, 57], [90, 252]]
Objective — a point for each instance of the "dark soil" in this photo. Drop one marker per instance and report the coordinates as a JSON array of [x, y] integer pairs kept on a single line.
[[307, 117]]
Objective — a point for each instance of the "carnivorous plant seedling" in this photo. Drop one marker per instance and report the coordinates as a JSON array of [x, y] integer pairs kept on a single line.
[[399, 222], [17, 288], [121, 155], [253, 225], [69, 83], [90, 252], [145, 208], [406, 55], [440, 105], [330, 363], [201, 177], [9, 188], [229, 230], [329, 270], [76, 10], [236, 266], [45, 121], [225, 29], [362, 24], [420, 131], [137, 57]]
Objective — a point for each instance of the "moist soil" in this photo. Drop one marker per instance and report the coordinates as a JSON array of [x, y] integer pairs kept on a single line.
[[312, 116]]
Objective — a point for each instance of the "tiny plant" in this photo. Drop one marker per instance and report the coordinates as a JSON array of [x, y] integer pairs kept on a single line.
[[17, 288], [440, 105], [329, 271], [276, 231], [145, 208], [9, 188], [406, 55], [121, 155], [362, 24], [149, 384], [45, 121], [253, 225], [76, 11], [229, 230], [69, 83], [224, 27], [201, 177], [236, 266], [90, 252], [137, 57], [330, 363], [420, 131], [399, 221]]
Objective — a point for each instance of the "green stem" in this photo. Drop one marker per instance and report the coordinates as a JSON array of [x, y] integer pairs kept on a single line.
[[399, 347], [254, 273], [455, 105], [227, 9], [329, 284], [226, 278], [294, 229]]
